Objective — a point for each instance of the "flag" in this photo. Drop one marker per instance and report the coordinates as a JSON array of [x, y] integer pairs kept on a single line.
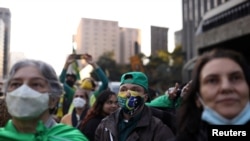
[[136, 63], [75, 66]]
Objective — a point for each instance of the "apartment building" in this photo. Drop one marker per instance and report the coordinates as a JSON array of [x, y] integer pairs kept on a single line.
[[96, 37], [5, 15], [159, 39], [209, 24], [1, 47]]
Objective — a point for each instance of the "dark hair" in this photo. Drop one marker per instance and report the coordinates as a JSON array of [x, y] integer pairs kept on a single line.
[[152, 94], [189, 114], [97, 108], [71, 75], [44, 68]]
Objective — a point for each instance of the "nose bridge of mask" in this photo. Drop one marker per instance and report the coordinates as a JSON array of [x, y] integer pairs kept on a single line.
[[25, 90], [132, 93], [79, 99]]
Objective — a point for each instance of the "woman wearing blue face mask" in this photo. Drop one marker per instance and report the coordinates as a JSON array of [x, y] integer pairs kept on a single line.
[[32, 88], [218, 96]]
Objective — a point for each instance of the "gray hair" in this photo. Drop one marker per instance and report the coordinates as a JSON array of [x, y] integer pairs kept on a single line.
[[45, 69]]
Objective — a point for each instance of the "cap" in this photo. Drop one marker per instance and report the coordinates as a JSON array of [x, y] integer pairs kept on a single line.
[[138, 78], [87, 84]]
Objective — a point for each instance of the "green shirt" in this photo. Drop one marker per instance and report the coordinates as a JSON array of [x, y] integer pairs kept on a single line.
[[101, 75], [164, 102], [59, 132]]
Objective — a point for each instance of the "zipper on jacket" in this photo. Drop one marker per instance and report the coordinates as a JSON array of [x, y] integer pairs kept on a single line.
[[110, 135]]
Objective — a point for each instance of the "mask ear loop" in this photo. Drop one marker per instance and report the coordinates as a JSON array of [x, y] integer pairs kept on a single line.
[[200, 99]]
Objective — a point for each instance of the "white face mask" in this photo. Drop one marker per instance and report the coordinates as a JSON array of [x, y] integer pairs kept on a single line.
[[79, 102], [26, 103], [211, 116]]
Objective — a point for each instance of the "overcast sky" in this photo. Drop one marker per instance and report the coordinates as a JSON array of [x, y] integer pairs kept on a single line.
[[39, 28]]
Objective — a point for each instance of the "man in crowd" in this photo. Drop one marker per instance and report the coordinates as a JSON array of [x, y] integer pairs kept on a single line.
[[134, 120]]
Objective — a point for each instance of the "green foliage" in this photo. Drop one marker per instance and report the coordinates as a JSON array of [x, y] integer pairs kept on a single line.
[[164, 55], [163, 70], [177, 56], [109, 66]]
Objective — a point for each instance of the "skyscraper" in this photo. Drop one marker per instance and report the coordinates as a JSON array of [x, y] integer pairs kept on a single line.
[[209, 24], [5, 15], [1, 47], [96, 37], [159, 39], [129, 44]]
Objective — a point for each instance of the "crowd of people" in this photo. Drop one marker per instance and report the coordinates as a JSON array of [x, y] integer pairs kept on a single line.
[[37, 105]]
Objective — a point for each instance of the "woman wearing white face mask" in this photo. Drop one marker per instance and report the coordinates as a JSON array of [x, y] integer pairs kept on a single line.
[[33, 88], [81, 106], [218, 96]]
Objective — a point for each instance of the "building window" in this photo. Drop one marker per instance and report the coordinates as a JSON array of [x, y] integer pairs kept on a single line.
[[190, 11], [185, 8], [208, 5], [219, 2], [202, 7]]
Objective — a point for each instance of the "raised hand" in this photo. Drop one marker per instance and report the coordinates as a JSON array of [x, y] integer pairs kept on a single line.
[[172, 92]]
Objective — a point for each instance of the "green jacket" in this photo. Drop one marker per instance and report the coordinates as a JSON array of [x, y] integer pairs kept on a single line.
[[101, 75], [59, 132], [67, 96], [164, 102], [69, 91]]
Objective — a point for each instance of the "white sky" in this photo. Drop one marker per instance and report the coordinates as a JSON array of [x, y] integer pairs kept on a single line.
[[42, 29]]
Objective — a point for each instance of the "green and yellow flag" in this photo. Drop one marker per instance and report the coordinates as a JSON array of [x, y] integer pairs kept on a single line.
[[75, 66]]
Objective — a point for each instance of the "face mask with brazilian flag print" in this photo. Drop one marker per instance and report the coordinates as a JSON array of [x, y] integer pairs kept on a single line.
[[130, 104]]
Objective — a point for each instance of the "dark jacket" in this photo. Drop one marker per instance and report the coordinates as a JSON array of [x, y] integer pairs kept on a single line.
[[148, 128], [89, 128], [4, 115], [166, 116]]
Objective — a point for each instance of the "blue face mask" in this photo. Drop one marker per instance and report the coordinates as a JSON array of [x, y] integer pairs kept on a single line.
[[211, 116], [131, 104]]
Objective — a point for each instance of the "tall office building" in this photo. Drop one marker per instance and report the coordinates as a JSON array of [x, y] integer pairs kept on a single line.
[[178, 38], [5, 15], [1, 47], [96, 37], [129, 44], [209, 24], [159, 39]]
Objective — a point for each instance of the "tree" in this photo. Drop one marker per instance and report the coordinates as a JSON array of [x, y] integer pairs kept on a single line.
[[164, 69], [158, 70], [109, 66], [177, 65]]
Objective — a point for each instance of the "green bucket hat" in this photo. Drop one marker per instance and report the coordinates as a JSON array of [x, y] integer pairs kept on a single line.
[[138, 78]]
